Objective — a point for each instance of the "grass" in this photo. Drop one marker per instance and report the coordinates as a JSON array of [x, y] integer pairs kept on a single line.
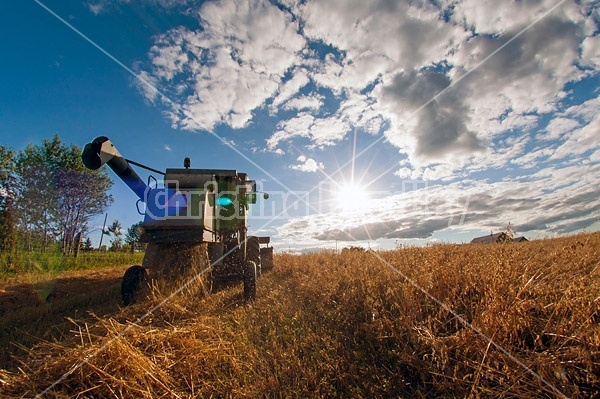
[[26, 264], [329, 325]]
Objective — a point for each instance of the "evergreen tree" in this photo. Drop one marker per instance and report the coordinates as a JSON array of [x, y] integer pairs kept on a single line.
[[87, 245], [133, 237], [116, 230]]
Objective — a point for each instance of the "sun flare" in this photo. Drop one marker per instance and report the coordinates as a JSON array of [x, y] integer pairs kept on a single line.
[[351, 197]]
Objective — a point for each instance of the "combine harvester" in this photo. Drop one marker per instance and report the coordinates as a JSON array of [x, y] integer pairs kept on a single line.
[[196, 211]]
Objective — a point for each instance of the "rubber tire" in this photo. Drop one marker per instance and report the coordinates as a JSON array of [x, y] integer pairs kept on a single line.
[[133, 278], [249, 281], [253, 253]]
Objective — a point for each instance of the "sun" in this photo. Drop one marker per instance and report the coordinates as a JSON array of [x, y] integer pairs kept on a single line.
[[351, 197]]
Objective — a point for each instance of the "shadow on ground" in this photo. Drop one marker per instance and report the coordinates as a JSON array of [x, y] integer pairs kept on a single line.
[[41, 311]]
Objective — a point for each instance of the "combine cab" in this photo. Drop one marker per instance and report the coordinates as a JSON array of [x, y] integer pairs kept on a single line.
[[195, 207]]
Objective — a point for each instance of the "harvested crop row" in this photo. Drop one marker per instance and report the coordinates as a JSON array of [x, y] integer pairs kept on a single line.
[[352, 325]]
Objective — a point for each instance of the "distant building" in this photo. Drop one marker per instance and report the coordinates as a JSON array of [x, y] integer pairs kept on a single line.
[[491, 238], [496, 238]]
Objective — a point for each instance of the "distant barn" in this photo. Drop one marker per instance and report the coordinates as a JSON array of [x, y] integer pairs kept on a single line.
[[491, 239], [496, 238]]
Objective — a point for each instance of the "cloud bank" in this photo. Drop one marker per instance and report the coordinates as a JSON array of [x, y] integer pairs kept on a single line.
[[459, 88], [382, 62]]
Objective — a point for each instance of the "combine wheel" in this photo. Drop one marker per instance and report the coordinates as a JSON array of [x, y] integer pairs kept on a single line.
[[249, 281], [131, 283], [253, 253]]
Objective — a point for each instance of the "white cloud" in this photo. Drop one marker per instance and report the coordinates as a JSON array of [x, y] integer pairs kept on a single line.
[[590, 52], [321, 131], [168, 56], [303, 103], [289, 88], [379, 37], [580, 125], [492, 17], [307, 165], [230, 67], [297, 126], [559, 126], [533, 158], [580, 141], [383, 61], [506, 93], [361, 111], [405, 173], [357, 111], [147, 85], [327, 131], [97, 8], [586, 111], [170, 3]]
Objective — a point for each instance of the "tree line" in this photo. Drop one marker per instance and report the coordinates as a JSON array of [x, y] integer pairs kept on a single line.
[[48, 197]]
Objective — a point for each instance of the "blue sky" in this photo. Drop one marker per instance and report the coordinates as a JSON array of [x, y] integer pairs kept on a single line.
[[449, 118]]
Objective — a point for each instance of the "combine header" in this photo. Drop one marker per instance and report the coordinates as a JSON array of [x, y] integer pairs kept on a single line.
[[194, 207]]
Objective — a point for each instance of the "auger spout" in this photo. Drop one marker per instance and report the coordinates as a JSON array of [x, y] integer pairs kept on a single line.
[[102, 151]]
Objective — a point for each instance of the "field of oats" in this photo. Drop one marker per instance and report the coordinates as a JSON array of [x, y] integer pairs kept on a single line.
[[518, 320]]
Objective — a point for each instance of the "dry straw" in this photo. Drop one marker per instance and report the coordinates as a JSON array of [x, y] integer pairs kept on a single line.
[[346, 325]]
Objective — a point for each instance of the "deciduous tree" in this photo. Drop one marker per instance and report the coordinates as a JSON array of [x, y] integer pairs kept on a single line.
[[7, 197], [36, 202], [57, 194]]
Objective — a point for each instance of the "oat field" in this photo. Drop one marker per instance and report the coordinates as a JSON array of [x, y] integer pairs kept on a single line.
[[472, 321]]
